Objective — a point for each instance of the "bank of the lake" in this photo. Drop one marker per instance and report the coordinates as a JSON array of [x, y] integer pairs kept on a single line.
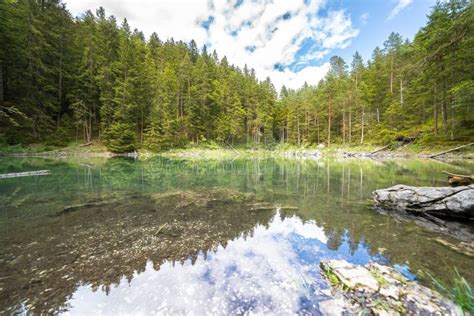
[[215, 151]]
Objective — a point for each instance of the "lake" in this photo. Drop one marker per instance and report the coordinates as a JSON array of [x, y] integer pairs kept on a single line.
[[204, 237]]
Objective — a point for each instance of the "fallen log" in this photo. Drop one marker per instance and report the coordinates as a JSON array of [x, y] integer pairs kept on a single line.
[[379, 149], [25, 174], [455, 180], [450, 150], [86, 144], [73, 208]]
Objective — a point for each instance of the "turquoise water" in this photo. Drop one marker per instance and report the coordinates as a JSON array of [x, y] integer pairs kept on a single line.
[[215, 237]]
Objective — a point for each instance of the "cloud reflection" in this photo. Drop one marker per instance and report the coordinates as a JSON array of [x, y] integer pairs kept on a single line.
[[274, 271]]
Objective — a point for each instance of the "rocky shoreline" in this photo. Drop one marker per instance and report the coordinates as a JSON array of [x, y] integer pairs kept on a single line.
[[227, 153], [379, 290]]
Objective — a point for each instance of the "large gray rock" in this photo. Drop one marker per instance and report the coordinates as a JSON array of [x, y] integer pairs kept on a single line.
[[438, 201]]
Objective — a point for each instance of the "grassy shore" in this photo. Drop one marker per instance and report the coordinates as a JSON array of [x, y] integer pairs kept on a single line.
[[214, 151]]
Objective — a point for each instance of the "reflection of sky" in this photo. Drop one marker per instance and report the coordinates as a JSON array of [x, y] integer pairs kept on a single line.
[[276, 270]]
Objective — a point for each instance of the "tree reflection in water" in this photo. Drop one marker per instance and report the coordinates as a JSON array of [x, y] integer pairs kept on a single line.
[[49, 259]]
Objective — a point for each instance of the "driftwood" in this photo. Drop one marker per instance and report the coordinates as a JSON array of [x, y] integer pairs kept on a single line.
[[86, 144], [455, 180], [74, 208], [450, 150], [25, 174], [379, 149], [160, 229]]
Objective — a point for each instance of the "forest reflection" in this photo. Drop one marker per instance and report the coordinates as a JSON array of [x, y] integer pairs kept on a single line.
[[49, 251]]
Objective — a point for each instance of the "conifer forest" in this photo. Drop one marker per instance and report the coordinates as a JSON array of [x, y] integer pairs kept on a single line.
[[94, 78]]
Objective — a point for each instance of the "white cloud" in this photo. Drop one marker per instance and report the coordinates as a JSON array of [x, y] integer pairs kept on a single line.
[[168, 18], [401, 4], [259, 33]]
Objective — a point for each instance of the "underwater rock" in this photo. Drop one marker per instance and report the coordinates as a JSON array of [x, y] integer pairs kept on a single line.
[[380, 290], [104, 239]]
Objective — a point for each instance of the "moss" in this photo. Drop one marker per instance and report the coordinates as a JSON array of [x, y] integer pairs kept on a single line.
[[380, 279], [332, 278], [335, 281]]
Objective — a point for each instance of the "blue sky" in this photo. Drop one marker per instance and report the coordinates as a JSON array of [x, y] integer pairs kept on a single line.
[[290, 41], [377, 27]]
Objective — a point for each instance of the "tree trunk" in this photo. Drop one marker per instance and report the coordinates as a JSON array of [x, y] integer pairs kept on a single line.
[[1, 85], [444, 108], [60, 81], [362, 125], [329, 122], [177, 104], [435, 114], [401, 91], [391, 75], [141, 125], [451, 150], [317, 124], [343, 125], [444, 115], [452, 119], [350, 120], [298, 130]]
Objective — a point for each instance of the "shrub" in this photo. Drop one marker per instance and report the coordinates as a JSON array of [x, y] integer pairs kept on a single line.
[[120, 138]]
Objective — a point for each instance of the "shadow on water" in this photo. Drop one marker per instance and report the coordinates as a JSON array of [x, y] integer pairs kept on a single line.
[[175, 236]]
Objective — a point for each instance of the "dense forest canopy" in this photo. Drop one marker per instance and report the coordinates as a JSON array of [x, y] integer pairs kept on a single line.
[[93, 78]]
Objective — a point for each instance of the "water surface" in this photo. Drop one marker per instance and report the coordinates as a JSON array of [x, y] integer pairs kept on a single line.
[[223, 237]]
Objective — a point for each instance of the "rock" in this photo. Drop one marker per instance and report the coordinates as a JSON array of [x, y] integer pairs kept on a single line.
[[444, 210], [447, 202], [353, 277], [381, 290], [334, 306], [464, 248], [302, 154]]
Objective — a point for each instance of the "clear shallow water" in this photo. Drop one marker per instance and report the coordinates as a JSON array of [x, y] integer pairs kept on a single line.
[[177, 236]]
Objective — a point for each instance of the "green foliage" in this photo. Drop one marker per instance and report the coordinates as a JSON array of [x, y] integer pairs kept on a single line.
[[120, 138], [74, 79], [153, 140], [17, 148]]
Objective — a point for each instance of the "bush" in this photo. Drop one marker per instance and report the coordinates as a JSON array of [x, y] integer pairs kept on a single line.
[[120, 138]]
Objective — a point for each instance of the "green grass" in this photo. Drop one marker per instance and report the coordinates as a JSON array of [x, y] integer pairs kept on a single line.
[[460, 291]]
